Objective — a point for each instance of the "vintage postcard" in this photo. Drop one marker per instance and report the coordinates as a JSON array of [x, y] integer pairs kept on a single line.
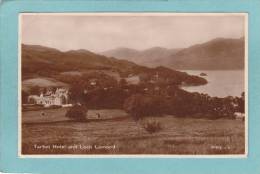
[[133, 84]]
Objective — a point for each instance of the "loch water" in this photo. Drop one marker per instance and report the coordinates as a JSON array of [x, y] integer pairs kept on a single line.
[[221, 83]]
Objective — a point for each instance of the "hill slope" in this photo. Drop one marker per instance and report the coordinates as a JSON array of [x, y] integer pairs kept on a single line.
[[48, 61], [217, 54], [38, 61]]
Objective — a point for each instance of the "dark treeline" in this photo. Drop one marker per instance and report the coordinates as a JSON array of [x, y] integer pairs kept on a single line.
[[162, 97], [153, 96], [184, 104]]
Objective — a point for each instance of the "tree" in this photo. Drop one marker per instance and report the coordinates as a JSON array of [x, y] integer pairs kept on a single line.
[[241, 103], [77, 112], [76, 92], [140, 106], [122, 82]]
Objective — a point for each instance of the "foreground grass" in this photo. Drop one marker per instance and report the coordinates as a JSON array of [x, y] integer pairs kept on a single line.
[[117, 133]]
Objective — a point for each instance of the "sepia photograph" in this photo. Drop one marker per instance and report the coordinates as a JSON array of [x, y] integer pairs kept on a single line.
[[142, 84]]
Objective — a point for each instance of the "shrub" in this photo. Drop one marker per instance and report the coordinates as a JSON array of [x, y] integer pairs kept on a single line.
[[77, 112], [152, 126]]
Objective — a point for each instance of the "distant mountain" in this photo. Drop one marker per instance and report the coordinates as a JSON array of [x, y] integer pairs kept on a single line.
[[42, 62], [122, 53], [217, 54], [148, 57]]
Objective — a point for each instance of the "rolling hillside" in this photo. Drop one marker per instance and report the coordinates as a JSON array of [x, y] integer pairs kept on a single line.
[[42, 62]]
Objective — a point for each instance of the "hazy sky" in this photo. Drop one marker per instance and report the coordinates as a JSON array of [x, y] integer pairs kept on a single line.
[[101, 33]]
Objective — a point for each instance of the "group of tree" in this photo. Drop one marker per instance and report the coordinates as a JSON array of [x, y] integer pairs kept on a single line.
[[183, 104], [167, 99], [146, 98], [139, 106]]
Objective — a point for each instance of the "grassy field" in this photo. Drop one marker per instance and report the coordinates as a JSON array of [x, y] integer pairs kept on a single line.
[[41, 82], [116, 133]]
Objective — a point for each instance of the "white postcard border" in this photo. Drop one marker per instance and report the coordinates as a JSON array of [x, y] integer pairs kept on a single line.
[[20, 155]]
